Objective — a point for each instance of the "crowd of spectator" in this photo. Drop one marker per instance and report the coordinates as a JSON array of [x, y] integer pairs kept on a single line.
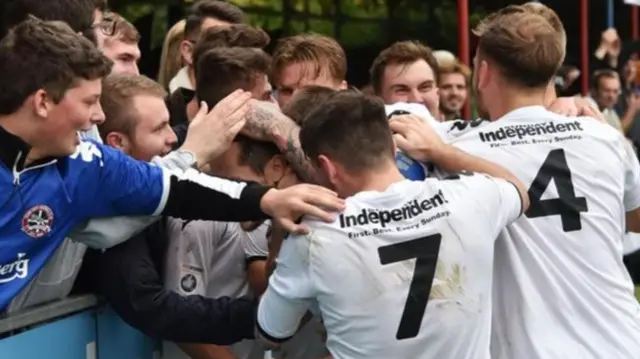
[[185, 273]]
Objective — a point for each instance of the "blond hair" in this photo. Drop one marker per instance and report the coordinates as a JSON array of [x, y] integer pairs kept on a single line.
[[456, 68], [171, 59], [551, 16], [323, 51], [118, 91], [524, 44]]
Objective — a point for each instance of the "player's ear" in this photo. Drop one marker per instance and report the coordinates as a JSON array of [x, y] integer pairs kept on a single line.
[[484, 75], [42, 103], [186, 52], [118, 141], [330, 169], [275, 169]]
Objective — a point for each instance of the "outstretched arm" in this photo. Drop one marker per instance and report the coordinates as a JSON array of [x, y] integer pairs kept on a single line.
[[127, 276]]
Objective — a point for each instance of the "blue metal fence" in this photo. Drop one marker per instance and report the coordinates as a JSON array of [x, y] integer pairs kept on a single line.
[[74, 328]]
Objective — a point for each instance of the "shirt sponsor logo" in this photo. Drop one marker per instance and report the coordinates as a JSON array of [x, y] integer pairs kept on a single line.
[[18, 269], [37, 221], [522, 131], [383, 217]]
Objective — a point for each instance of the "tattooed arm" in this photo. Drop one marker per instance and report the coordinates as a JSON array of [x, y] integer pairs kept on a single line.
[[267, 123]]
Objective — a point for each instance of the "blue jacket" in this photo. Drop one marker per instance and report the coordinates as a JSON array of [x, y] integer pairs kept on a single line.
[[40, 203]]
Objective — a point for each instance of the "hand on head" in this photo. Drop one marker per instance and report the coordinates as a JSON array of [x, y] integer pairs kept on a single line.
[[211, 132]]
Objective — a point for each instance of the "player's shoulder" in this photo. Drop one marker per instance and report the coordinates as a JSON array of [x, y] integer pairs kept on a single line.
[[203, 230], [259, 233], [596, 127], [457, 183], [458, 128], [369, 208], [603, 135]]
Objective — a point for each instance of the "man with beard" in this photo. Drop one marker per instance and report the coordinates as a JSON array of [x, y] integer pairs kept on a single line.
[[454, 82]]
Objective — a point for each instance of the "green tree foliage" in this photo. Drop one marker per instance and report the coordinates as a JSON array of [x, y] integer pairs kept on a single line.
[[354, 22]]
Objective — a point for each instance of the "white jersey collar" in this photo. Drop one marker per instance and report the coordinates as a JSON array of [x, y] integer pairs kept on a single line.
[[526, 111]]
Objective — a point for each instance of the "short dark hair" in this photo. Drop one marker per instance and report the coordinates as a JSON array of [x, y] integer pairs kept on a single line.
[[255, 154], [305, 101], [45, 55], [401, 53], [236, 35], [598, 75], [350, 128], [221, 71], [78, 14], [217, 9]]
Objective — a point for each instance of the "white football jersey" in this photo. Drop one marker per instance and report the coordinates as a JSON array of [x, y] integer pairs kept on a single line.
[[208, 258], [560, 287], [405, 273], [308, 342], [448, 130]]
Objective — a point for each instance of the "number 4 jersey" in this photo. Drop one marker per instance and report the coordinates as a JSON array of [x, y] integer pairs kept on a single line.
[[405, 273], [560, 287]]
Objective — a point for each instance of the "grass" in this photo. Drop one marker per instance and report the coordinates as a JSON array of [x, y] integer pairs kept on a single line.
[[638, 292]]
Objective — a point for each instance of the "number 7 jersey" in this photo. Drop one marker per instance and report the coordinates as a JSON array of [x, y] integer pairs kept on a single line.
[[560, 287], [405, 273]]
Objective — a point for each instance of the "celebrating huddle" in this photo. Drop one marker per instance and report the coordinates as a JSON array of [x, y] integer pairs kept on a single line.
[[523, 263], [511, 247]]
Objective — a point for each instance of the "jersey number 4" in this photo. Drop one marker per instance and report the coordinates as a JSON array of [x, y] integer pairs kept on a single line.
[[567, 205], [425, 251]]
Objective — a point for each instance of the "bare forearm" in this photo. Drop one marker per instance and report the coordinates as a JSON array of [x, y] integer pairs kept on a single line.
[[289, 144], [268, 123], [600, 52]]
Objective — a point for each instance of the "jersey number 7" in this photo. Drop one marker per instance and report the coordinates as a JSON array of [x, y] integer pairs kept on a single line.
[[425, 251], [567, 205]]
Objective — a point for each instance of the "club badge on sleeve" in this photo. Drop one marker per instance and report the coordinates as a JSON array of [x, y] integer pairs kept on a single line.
[[191, 280], [37, 221]]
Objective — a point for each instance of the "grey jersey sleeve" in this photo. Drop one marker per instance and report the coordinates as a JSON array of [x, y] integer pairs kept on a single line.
[[255, 243], [102, 233]]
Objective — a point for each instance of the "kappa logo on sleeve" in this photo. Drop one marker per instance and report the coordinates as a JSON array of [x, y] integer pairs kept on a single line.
[[87, 151]]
